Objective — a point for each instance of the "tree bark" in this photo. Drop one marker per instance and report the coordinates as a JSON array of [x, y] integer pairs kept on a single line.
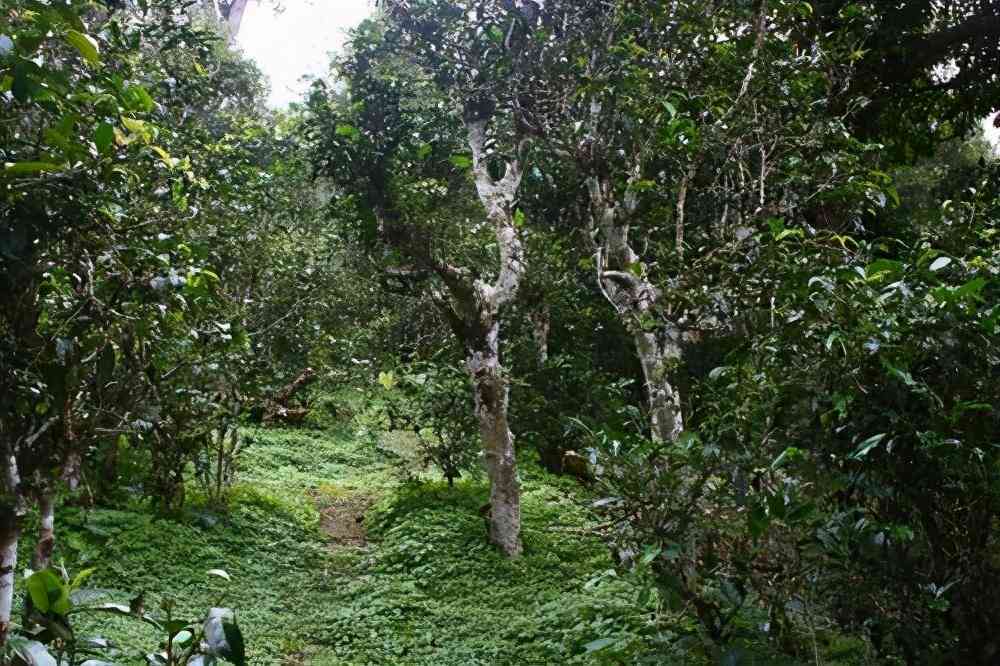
[[228, 16], [12, 509], [540, 324], [491, 399], [472, 307], [482, 341], [46, 531], [235, 18], [9, 534], [656, 356], [635, 298]]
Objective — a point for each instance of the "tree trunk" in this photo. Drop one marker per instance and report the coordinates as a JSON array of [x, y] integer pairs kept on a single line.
[[235, 18], [9, 533], [12, 508], [491, 399], [482, 339], [656, 356], [635, 299], [540, 325], [46, 531]]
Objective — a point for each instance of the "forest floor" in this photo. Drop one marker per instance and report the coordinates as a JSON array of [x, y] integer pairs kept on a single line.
[[342, 551]]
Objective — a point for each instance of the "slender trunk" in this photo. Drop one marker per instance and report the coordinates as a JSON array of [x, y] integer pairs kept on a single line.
[[46, 531], [682, 192], [235, 18], [9, 533], [491, 399], [220, 462], [656, 356], [483, 338], [635, 299], [12, 508], [540, 325]]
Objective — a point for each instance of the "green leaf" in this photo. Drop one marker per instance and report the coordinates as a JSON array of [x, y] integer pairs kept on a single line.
[[86, 45], [599, 644], [387, 380], [349, 131], [174, 627], [971, 289], [650, 554], [136, 98], [789, 233], [882, 269], [901, 374], [461, 161], [29, 168], [164, 156], [788, 455], [139, 128], [866, 446], [104, 137], [80, 577], [22, 87], [48, 592], [776, 225]]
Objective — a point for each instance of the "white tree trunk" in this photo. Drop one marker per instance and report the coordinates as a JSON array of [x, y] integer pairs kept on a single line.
[[229, 20], [235, 18], [656, 357], [491, 399], [46, 531], [12, 508], [635, 298], [483, 344], [8, 567], [540, 325]]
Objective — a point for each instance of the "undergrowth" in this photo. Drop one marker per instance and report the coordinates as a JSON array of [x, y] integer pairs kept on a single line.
[[425, 589]]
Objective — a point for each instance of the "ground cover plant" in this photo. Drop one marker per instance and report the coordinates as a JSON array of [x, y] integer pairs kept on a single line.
[[306, 593]]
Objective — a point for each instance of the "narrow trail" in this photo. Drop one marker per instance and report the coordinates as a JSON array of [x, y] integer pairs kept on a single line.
[[342, 520]]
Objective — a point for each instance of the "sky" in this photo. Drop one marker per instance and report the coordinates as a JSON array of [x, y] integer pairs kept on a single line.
[[297, 40]]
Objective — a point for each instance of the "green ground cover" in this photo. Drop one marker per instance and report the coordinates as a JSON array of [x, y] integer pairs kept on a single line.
[[413, 583]]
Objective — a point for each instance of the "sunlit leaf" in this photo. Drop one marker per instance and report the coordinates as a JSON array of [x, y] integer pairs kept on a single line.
[[86, 45]]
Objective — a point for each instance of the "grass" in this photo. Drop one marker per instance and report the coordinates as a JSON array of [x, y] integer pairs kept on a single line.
[[425, 588]]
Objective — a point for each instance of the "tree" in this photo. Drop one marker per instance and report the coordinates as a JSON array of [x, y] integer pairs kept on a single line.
[[680, 125], [229, 14], [111, 314], [927, 67], [475, 109]]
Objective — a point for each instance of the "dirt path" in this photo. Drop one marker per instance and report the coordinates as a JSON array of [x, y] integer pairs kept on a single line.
[[342, 519]]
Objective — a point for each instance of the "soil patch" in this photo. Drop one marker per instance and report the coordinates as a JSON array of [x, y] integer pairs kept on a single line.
[[342, 519]]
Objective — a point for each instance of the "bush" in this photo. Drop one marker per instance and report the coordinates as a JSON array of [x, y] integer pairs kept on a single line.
[[434, 403]]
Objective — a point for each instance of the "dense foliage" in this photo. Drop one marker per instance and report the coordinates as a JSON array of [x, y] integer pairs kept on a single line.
[[692, 306]]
